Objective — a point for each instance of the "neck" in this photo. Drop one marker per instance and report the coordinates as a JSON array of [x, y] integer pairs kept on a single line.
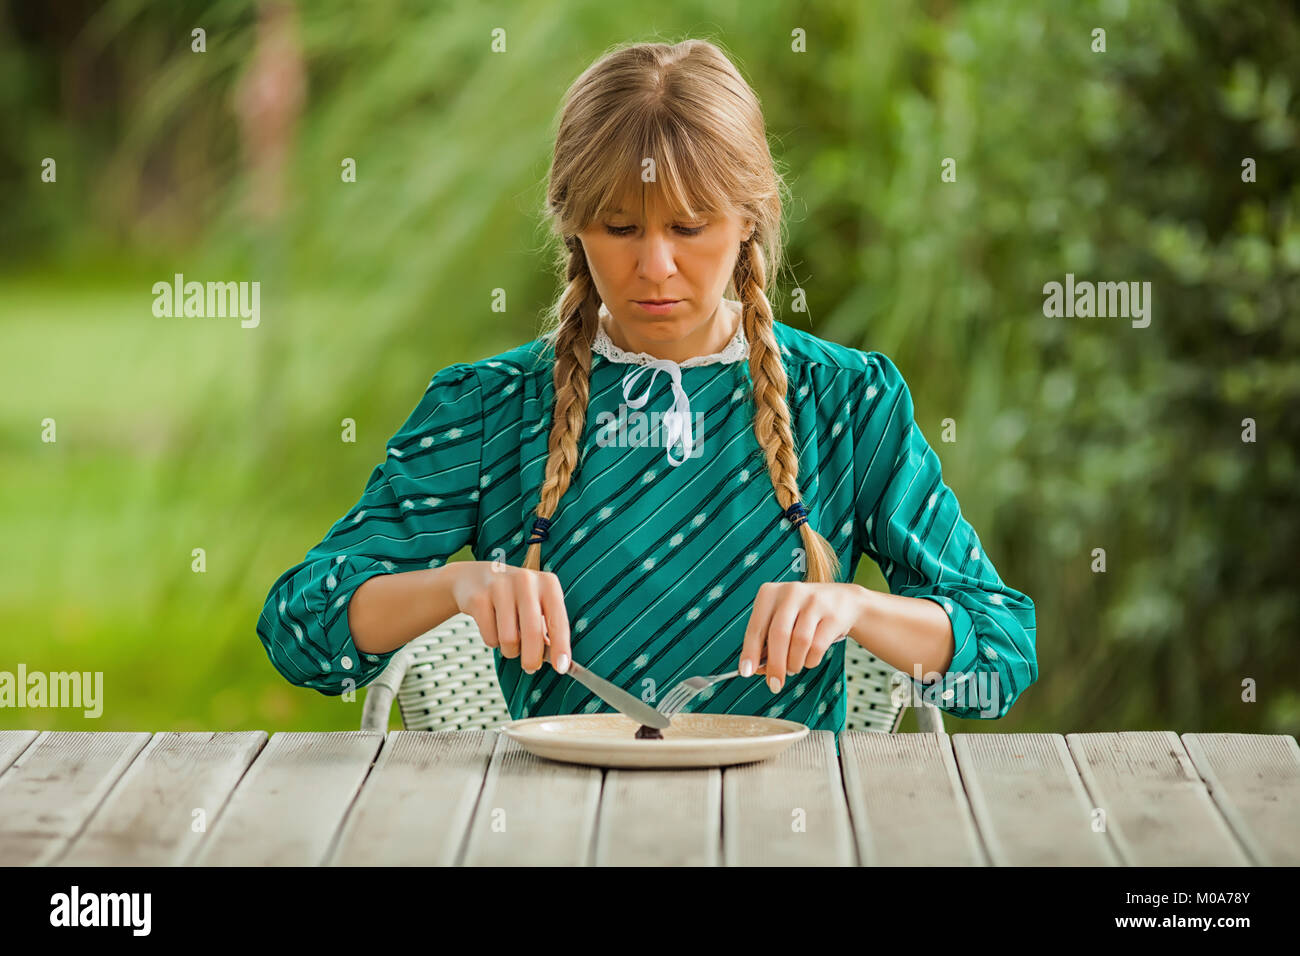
[[710, 337]]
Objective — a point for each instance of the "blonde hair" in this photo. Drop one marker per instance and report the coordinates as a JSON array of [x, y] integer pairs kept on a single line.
[[687, 107]]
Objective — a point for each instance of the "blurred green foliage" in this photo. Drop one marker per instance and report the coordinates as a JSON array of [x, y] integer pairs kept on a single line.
[[1073, 434]]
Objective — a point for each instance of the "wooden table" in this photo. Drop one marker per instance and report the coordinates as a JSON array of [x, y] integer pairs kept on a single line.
[[475, 797]]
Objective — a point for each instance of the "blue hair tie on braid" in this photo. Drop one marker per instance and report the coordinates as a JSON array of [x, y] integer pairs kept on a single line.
[[796, 514], [541, 530]]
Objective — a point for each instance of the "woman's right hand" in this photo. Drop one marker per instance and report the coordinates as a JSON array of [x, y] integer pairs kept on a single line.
[[519, 610]]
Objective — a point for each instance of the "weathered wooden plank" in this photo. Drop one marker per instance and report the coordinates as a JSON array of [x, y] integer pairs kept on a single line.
[[166, 801], [789, 810], [907, 802], [1153, 798], [415, 807], [660, 817], [533, 811], [13, 743], [54, 786], [1254, 779], [291, 803], [1028, 801], [105, 798]]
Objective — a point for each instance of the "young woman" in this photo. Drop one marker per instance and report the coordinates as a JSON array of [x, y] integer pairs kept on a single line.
[[725, 533]]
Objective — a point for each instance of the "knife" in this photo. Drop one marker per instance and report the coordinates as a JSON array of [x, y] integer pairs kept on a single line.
[[613, 695]]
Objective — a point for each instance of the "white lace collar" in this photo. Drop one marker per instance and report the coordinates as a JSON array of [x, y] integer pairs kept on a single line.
[[734, 351], [677, 430]]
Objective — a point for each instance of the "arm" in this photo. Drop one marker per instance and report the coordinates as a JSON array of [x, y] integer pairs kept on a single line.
[[419, 507], [389, 610], [910, 523], [912, 634]]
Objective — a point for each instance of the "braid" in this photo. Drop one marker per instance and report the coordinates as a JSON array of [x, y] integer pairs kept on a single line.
[[771, 413], [579, 321]]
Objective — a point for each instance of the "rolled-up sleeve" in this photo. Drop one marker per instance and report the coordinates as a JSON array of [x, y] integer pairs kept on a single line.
[[909, 522], [419, 507]]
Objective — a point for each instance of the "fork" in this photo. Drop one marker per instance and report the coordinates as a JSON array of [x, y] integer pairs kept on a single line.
[[686, 690]]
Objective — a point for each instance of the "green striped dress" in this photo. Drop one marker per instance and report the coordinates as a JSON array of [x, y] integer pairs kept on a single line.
[[668, 528]]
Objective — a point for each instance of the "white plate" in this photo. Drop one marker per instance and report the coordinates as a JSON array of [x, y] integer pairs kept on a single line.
[[693, 740]]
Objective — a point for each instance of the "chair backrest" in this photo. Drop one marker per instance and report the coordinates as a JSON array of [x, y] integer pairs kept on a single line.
[[450, 681], [445, 679]]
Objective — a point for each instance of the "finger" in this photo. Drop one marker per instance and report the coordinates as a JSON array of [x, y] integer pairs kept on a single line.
[[485, 617], [778, 638], [531, 643], [507, 620], [557, 621], [752, 648], [801, 639], [822, 641]]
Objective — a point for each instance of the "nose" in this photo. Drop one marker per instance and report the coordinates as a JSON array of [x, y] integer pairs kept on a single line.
[[656, 260]]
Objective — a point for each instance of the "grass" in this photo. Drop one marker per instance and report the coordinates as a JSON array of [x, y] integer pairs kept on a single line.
[[152, 460]]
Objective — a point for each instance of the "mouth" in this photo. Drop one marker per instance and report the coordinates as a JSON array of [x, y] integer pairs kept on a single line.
[[656, 301]]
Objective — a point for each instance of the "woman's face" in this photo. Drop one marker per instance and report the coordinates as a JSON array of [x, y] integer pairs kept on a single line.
[[636, 257]]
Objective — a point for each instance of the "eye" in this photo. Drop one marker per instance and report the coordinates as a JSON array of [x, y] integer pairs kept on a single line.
[[628, 230]]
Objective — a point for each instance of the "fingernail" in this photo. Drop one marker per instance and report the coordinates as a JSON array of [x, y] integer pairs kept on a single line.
[[774, 683], [562, 664], [746, 668]]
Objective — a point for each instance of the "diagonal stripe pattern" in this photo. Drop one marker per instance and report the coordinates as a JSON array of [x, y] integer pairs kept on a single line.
[[661, 558]]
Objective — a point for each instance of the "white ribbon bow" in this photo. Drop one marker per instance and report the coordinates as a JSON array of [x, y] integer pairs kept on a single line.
[[678, 418]]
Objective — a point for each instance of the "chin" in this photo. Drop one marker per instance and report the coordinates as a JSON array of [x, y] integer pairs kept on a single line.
[[662, 328]]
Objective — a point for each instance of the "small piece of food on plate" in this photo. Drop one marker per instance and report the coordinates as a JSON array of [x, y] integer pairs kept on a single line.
[[649, 733]]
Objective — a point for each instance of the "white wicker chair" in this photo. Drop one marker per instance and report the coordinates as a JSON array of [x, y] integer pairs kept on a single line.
[[445, 679]]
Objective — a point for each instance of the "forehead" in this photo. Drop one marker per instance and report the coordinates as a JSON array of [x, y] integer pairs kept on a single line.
[[659, 203]]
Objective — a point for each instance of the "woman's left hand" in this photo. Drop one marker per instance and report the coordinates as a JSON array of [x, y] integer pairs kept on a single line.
[[795, 622]]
